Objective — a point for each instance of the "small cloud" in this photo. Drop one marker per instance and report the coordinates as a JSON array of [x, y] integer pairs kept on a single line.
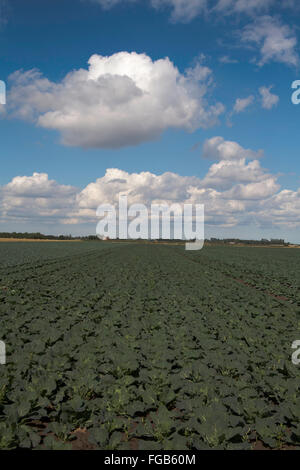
[[186, 10], [277, 41], [107, 4], [268, 99], [217, 148], [182, 10], [241, 104], [2, 92], [248, 7], [228, 60]]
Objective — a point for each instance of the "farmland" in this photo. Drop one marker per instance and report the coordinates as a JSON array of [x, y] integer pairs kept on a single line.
[[148, 347]]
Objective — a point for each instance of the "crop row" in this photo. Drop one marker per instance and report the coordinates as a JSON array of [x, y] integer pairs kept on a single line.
[[145, 347]]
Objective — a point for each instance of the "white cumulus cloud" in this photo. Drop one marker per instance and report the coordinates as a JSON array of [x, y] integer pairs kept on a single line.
[[217, 148], [236, 191], [120, 100], [36, 198]]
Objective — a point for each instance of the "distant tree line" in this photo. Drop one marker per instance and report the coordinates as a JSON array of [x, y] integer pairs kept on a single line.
[[41, 236], [233, 241], [263, 241], [34, 236]]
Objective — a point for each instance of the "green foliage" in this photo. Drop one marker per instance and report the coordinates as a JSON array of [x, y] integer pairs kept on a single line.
[[149, 344]]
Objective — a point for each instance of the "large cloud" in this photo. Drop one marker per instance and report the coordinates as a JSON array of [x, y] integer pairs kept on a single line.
[[235, 191], [281, 209], [120, 100], [36, 198]]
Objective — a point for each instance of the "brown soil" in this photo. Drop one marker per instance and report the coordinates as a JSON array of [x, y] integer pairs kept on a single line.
[[82, 440]]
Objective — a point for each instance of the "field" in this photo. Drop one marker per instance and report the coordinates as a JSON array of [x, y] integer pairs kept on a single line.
[[148, 347]]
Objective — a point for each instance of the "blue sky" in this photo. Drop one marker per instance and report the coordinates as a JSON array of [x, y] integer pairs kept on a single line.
[[225, 56]]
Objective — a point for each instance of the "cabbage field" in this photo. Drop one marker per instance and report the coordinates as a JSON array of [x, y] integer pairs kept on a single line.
[[148, 346]]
